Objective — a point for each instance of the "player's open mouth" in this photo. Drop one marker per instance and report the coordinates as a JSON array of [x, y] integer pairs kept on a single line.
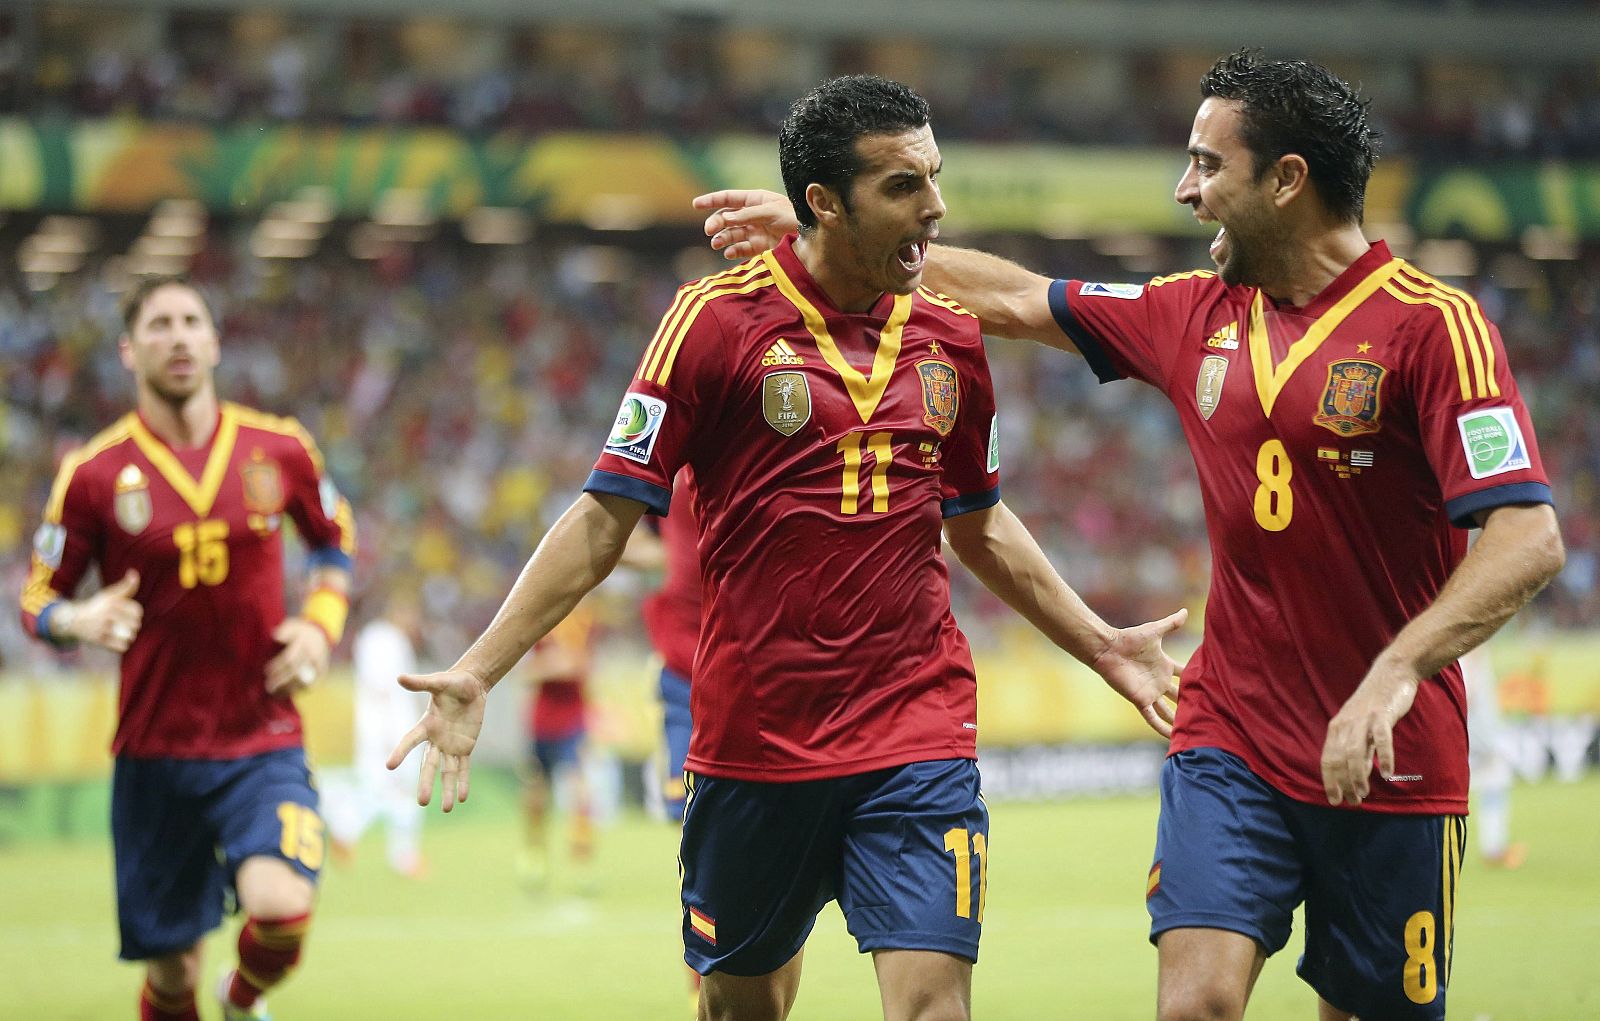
[[1219, 246], [913, 256]]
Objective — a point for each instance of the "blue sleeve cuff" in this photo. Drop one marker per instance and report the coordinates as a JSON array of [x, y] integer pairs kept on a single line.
[[1463, 508], [330, 556], [969, 502], [655, 499], [1087, 346], [43, 626]]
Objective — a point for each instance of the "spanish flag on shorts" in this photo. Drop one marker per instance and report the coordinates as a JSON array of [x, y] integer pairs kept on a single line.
[[704, 924]]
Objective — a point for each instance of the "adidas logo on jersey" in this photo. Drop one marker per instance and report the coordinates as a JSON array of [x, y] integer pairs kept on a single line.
[[781, 354], [1226, 338]]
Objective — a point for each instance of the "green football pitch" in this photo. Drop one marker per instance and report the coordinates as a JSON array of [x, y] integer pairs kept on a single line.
[[1064, 932]]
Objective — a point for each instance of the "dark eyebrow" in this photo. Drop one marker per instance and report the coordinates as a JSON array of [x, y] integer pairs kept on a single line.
[[1200, 151]]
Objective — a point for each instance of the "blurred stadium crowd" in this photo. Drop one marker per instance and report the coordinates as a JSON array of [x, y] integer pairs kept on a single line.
[[461, 393], [697, 78]]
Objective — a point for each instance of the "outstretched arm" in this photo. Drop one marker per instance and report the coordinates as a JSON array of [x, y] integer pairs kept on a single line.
[[998, 548], [1011, 301], [1518, 553], [576, 555]]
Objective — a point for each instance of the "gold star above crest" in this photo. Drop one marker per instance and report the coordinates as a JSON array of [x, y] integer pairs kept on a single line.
[[1363, 347], [933, 347]]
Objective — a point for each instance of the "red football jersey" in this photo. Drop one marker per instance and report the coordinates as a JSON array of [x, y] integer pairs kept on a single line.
[[672, 613], [203, 529], [827, 447], [1304, 424]]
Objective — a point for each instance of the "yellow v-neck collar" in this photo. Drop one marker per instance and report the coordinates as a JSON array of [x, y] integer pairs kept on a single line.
[[865, 390], [1270, 378], [200, 494]]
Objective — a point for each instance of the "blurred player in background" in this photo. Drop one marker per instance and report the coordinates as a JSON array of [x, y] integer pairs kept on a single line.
[[383, 649], [1350, 418], [557, 724], [833, 695], [672, 619], [181, 505], [1492, 774]]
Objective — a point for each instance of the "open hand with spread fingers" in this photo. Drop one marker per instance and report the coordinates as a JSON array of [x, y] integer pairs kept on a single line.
[[746, 222], [450, 729], [1139, 669]]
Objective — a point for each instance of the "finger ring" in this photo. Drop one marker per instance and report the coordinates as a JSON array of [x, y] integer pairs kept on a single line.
[[306, 674], [121, 632]]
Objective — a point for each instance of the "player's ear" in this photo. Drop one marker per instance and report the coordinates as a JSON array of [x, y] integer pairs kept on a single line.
[[125, 351], [1290, 176], [825, 204]]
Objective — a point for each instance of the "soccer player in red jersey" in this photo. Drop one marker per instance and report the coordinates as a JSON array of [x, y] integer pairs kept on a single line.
[[672, 619], [838, 416], [1350, 418], [181, 504], [558, 727]]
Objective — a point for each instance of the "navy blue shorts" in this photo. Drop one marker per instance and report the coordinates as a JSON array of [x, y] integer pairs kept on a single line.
[[676, 726], [1379, 888], [180, 829], [903, 850], [553, 754]]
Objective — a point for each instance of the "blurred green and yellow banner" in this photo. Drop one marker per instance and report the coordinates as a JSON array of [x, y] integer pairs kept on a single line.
[[620, 180]]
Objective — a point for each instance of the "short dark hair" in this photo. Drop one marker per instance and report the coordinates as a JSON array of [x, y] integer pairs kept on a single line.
[[1295, 106], [817, 142], [139, 293]]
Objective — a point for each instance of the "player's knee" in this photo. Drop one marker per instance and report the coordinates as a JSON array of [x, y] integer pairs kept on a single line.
[[175, 974], [1203, 1002], [270, 888]]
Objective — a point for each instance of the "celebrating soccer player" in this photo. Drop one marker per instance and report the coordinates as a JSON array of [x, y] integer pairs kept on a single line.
[[1351, 418], [181, 504], [836, 415]]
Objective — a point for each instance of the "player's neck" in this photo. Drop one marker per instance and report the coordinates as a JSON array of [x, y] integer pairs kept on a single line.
[[843, 291], [185, 423], [1310, 266]]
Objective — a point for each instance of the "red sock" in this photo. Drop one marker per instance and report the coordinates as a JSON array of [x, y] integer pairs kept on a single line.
[[157, 1006], [268, 948]]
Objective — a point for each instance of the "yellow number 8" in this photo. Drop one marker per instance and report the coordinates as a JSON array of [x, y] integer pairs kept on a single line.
[[1274, 502], [1421, 974]]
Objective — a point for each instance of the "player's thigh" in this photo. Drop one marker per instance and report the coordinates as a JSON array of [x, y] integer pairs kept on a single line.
[[170, 889], [268, 808], [1226, 855], [916, 859], [1205, 973], [923, 985], [758, 861], [1380, 914]]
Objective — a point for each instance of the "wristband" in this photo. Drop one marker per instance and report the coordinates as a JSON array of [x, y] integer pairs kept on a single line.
[[327, 609]]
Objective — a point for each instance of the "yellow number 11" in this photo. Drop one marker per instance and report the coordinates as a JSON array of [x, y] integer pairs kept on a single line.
[[879, 446], [956, 842]]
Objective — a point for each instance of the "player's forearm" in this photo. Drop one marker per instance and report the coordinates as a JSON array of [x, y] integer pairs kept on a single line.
[[577, 554], [996, 547], [1519, 552], [1009, 300]]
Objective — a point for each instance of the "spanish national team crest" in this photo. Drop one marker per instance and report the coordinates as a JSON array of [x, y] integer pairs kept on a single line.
[[131, 501], [1350, 401], [939, 397], [786, 401], [263, 486]]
